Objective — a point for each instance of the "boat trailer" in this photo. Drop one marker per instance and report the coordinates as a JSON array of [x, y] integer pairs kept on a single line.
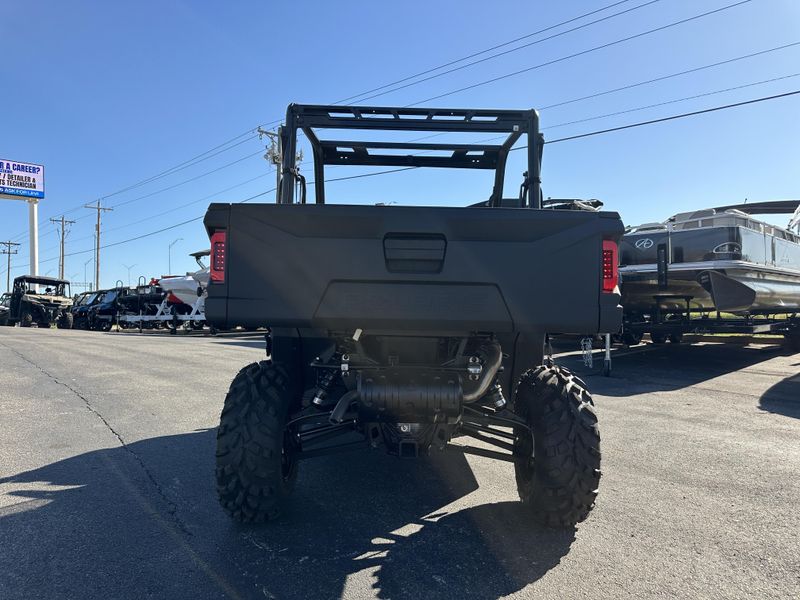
[[663, 325]]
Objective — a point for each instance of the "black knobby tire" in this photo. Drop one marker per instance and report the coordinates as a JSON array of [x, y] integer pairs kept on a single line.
[[675, 338], [255, 467], [630, 338], [560, 482], [793, 342], [26, 319], [658, 337], [65, 321]]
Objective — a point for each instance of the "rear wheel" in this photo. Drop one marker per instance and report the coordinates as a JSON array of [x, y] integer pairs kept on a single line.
[[65, 321], [25, 319], [793, 342], [631, 338], [558, 477], [676, 338], [658, 337], [256, 466]]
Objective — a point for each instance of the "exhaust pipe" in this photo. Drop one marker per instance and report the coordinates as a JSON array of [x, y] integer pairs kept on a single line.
[[378, 393], [492, 360]]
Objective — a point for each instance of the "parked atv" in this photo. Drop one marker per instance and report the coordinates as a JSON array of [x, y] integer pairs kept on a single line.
[[406, 327], [41, 301], [83, 304], [5, 301], [103, 313]]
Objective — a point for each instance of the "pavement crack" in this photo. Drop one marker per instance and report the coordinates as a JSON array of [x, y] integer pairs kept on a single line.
[[172, 506]]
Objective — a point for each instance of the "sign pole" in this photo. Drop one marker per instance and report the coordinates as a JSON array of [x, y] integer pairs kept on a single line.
[[25, 181], [33, 218]]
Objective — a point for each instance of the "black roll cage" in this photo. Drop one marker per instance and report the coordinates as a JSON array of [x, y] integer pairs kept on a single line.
[[24, 280], [462, 156]]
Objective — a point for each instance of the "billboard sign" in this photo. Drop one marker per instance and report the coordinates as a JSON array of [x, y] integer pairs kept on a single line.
[[20, 180]]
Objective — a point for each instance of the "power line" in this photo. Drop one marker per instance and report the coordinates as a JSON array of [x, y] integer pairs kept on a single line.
[[253, 197], [508, 43], [564, 139], [670, 118], [474, 54], [582, 52], [185, 181], [206, 174], [188, 163], [209, 153], [670, 76], [646, 82], [161, 214], [179, 167], [574, 137], [543, 108], [676, 100], [574, 100], [641, 83]]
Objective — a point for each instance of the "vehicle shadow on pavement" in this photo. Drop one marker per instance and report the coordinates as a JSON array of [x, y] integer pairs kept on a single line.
[[671, 366], [783, 398], [487, 551], [143, 521]]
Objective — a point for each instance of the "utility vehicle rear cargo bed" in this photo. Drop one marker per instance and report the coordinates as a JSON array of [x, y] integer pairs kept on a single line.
[[412, 268]]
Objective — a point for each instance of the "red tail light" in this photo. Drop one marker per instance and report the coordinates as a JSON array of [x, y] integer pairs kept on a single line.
[[218, 252], [610, 266]]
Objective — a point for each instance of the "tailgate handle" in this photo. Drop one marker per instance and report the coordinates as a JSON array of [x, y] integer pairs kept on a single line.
[[414, 252]]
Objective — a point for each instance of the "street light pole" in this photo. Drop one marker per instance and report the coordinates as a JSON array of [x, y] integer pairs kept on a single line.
[[71, 280], [85, 281], [129, 272], [169, 256]]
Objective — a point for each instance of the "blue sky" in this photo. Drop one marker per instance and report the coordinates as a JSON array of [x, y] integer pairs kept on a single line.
[[106, 95]]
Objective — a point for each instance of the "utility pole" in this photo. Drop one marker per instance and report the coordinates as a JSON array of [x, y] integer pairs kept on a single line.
[[99, 210], [8, 250], [63, 237], [274, 154]]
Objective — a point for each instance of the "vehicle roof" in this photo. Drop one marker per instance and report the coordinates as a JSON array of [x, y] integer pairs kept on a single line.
[[40, 279]]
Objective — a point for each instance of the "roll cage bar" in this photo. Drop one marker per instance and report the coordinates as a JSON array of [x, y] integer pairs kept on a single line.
[[307, 118]]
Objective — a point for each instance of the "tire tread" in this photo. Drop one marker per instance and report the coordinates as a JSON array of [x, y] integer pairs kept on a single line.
[[250, 482], [561, 483]]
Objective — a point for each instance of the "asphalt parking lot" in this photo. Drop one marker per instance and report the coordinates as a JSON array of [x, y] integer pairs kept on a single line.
[[106, 486]]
